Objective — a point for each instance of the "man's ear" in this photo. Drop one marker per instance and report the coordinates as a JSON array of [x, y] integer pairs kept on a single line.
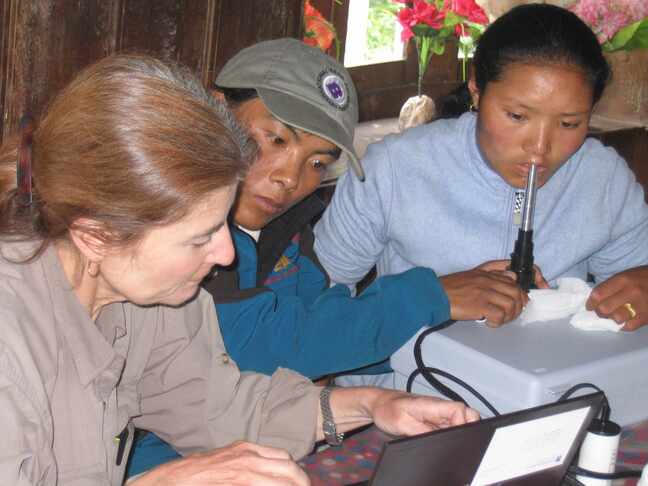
[[86, 233], [474, 92], [218, 95]]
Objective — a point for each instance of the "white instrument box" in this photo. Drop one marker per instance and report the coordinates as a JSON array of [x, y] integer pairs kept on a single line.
[[520, 366]]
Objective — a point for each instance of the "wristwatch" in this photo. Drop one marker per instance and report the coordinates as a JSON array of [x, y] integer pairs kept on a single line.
[[333, 438]]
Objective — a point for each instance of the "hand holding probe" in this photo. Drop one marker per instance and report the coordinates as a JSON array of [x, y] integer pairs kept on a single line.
[[522, 256]]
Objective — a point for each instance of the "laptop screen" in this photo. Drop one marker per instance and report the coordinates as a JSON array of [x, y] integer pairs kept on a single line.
[[530, 447]]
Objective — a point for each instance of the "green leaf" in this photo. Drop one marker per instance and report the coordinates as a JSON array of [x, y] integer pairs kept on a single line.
[[424, 30], [446, 32], [478, 28], [633, 36], [451, 19], [438, 48]]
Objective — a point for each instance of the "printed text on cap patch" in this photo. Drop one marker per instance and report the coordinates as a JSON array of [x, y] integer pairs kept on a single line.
[[334, 89]]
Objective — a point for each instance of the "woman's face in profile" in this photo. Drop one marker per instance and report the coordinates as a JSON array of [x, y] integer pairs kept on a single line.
[[167, 266], [534, 112]]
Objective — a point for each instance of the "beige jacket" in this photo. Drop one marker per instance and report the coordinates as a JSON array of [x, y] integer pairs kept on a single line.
[[69, 386]]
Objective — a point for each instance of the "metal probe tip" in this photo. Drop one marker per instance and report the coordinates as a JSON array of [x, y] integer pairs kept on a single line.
[[529, 199]]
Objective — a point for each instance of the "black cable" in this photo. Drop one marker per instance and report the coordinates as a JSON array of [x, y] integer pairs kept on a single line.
[[575, 388], [418, 358], [605, 407], [453, 378], [426, 372], [605, 417], [626, 473]]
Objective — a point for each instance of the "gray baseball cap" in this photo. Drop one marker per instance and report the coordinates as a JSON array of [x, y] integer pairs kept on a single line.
[[301, 86]]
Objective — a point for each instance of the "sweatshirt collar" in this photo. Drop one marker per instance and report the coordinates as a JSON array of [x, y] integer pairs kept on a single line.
[[477, 162]]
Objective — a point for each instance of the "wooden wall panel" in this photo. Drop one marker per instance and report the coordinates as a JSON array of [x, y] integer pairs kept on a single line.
[[5, 36], [632, 145], [245, 22], [46, 43], [178, 30]]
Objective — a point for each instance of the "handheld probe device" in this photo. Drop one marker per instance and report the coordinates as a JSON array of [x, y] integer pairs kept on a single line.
[[522, 256]]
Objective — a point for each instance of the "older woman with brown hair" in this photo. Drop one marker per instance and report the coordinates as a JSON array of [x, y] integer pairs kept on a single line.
[[116, 213]]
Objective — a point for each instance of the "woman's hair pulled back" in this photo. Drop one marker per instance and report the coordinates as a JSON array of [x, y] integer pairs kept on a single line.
[[130, 143], [540, 33]]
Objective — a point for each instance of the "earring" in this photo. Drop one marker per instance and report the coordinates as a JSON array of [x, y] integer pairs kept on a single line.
[[93, 269], [472, 108]]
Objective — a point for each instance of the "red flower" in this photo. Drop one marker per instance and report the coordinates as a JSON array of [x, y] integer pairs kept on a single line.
[[421, 12], [469, 10], [317, 31]]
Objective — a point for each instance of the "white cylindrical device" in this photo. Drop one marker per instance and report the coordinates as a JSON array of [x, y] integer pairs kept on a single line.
[[599, 451], [643, 480]]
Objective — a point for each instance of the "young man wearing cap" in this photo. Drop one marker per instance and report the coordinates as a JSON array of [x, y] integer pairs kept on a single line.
[[275, 305]]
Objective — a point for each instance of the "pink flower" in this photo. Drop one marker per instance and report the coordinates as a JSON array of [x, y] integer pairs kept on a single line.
[[607, 17]]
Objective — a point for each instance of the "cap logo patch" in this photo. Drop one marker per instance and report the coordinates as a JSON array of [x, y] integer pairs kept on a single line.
[[334, 89]]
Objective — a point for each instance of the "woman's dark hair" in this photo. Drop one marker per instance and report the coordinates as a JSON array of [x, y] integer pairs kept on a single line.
[[539, 33], [454, 103], [129, 144]]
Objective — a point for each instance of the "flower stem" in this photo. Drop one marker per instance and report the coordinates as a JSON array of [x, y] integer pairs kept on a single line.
[[424, 49]]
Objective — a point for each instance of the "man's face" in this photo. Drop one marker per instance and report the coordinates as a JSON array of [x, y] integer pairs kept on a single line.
[[289, 167]]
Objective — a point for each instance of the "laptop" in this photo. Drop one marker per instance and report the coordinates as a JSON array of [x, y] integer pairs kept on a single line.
[[528, 447]]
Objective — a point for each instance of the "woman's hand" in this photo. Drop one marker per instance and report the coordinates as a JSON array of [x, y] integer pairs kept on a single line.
[[611, 298], [400, 413], [395, 412], [489, 292], [240, 463]]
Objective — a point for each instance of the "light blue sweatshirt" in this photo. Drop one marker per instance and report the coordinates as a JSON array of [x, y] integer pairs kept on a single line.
[[431, 200]]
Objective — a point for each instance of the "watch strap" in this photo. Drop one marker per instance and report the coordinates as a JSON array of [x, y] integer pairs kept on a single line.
[[331, 435]]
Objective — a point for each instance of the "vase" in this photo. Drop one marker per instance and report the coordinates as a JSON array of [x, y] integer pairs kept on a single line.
[[625, 98], [417, 110]]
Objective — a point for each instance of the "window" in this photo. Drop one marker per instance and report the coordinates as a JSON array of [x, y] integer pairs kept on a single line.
[[384, 76], [373, 34]]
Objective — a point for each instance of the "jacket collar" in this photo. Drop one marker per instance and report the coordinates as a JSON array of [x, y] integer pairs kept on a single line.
[[91, 352], [276, 236]]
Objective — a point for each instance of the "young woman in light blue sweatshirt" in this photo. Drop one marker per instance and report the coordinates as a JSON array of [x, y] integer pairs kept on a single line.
[[443, 195]]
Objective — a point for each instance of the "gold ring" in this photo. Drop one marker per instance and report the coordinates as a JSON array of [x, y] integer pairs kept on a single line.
[[631, 310]]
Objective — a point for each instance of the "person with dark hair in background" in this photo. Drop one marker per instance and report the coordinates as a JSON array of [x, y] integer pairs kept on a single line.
[[112, 211], [443, 195]]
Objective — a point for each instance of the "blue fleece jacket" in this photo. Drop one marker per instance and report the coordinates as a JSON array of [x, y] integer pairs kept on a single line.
[[430, 199], [297, 322]]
